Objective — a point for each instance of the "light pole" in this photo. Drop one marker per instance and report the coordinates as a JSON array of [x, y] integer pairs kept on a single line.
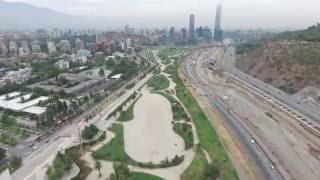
[[81, 150]]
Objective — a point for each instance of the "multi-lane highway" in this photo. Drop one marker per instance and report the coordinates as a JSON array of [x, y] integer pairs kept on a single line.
[[254, 150], [273, 134]]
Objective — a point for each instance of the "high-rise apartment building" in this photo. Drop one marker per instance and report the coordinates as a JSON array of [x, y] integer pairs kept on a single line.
[[217, 27], [192, 27]]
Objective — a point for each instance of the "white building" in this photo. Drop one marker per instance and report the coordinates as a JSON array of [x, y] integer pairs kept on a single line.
[[62, 64], [25, 47], [123, 46], [51, 47], [13, 48], [129, 43], [13, 101], [82, 59], [35, 46], [64, 46]]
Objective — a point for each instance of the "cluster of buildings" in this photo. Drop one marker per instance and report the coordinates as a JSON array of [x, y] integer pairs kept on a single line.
[[22, 48], [111, 42], [187, 36], [77, 84], [205, 32], [19, 76]]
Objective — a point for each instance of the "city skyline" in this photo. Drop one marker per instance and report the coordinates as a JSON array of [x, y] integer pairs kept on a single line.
[[140, 13]]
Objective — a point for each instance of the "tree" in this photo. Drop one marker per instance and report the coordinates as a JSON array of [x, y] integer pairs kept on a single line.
[[5, 119], [2, 154], [15, 162], [121, 170], [89, 131], [101, 72], [98, 167], [211, 172]]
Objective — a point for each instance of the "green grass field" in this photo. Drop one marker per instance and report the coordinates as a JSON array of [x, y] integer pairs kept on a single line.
[[207, 135], [126, 115], [159, 82], [114, 150], [196, 169], [143, 176]]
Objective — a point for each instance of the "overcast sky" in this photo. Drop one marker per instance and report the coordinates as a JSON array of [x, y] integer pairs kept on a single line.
[[272, 14]]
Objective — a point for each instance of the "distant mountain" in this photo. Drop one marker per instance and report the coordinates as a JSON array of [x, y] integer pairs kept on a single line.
[[25, 16], [310, 34]]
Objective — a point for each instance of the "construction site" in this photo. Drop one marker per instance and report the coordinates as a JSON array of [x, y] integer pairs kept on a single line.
[[276, 141]]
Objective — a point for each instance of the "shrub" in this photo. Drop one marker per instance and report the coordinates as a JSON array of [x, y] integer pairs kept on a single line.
[[89, 131], [62, 163]]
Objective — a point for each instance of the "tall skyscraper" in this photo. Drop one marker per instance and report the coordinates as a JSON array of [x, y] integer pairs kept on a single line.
[[217, 27], [191, 27]]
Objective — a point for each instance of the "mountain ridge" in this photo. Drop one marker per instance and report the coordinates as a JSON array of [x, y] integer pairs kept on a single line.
[[22, 16]]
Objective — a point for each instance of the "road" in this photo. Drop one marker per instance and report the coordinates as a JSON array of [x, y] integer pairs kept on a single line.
[[254, 150], [282, 141], [37, 160], [298, 105]]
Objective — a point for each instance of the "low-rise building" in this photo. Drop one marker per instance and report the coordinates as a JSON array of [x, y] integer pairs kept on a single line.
[[62, 64], [51, 47], [84, 52], [35, 46], [17, 102], [64, 46], [82, 59]]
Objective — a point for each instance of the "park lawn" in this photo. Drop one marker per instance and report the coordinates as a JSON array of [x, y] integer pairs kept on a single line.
[[185, 131], [8, 139], [159, 82], [206, 133], [126, 115], [196, 169], [114, 150], [178, 111], [143, 176]]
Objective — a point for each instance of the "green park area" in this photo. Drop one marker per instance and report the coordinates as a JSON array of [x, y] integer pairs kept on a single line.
[[143, 176], [185, 131], [159, 82], [62, 163], [206, 133], [178, 111]]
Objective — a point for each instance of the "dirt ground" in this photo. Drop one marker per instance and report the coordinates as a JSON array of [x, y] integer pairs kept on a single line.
[[149, 137], [106, 166]]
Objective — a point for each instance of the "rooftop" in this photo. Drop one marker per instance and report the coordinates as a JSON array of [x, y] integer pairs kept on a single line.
[[16, 104]]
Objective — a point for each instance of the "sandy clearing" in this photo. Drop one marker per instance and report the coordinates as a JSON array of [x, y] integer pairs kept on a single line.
[[149, 137], [106, 166]]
